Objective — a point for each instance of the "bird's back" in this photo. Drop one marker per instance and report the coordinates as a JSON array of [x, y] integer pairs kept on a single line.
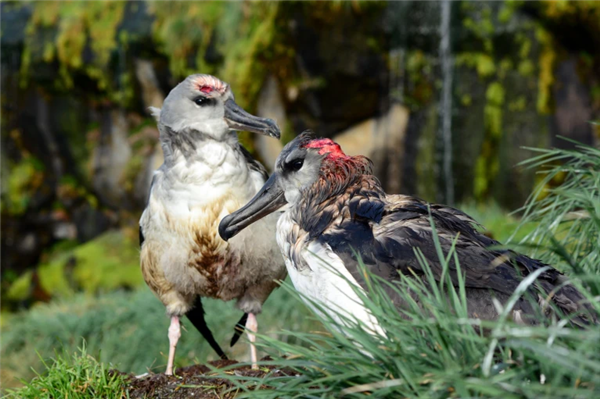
[[386, 229]]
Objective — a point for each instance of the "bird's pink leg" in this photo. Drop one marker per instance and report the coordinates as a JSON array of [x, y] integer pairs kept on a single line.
[[252, 327], [174, 334]]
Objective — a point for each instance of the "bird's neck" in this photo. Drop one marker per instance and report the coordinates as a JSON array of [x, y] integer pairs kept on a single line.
[[191, 145], [327, 201]]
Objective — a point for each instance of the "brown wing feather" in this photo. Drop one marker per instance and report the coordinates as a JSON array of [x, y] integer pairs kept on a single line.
[[385, 230]]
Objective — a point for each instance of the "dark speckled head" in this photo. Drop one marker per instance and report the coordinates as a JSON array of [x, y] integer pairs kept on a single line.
[[306, 168], [307, 159]]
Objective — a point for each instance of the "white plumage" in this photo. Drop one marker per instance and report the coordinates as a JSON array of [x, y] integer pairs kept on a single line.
[[325, 280]]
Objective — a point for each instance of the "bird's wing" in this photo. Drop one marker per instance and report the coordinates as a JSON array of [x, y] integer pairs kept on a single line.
[[141, 231], [141, 236], [254, 164], [386, 232]]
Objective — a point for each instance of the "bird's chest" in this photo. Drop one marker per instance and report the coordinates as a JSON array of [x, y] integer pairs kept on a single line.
[[322, 277], [180, 226], [314, 270]]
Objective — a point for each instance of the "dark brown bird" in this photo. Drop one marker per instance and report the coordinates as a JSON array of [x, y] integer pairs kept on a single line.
[[337, 208]]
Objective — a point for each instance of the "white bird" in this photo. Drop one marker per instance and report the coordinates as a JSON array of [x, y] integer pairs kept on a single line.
[[337, 208], [206, 175]]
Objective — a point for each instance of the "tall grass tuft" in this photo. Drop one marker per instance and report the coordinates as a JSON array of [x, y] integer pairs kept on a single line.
[[74, 376], [567, 217], [431, 349]]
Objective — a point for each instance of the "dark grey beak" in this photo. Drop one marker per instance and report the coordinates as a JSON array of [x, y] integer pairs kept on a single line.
[[266, 201], [238, 119]]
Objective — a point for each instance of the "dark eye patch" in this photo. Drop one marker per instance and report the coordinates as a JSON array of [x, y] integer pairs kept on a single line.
[[202, 101], [294, 165]]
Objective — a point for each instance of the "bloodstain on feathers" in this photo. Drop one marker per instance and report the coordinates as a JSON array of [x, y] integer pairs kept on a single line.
[[208, 84], [327, 146]]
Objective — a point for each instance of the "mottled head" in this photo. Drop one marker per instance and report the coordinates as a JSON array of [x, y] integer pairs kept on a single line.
[[303, 164], [206, 104]]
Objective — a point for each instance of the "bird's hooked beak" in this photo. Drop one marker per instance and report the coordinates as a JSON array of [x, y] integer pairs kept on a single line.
[[270, 198], [238, 119]]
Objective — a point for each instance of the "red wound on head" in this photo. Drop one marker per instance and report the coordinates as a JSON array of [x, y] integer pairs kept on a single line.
[[327, 146], [205, 89]]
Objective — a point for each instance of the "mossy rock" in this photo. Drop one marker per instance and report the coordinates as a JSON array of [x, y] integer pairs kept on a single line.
[[108, 262]]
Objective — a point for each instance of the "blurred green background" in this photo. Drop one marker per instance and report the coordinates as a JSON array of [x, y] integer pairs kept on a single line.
[[444, 120]]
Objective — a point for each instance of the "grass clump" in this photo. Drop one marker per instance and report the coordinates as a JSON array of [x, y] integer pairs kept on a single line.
[[76, 376], [567, 216], [431, 349]]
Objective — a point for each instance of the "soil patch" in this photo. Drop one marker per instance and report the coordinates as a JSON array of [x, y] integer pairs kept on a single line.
[[197, 381]]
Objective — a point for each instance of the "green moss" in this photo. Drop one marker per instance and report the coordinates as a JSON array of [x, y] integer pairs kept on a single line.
[[419, 70], [526, 68], [480, 181], [526, 55], [546, 62], [108, 262], [488, 163], [19, 289], [483, 63], [23, 179], [53, 277], [425, 164], [493, 109], [525, 45], [506, 13], [70, 188], [182, 30], [60, 31], [246, 63], [247, 39], [466, 100], [481, 25], [519, 104]]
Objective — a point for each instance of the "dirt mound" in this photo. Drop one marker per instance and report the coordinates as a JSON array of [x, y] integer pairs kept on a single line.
[[197, 381]]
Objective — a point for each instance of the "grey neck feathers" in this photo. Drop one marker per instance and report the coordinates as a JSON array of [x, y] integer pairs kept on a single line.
[[187, 144]]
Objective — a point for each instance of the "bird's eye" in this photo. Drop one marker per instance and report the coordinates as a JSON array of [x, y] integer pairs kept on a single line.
[[295, 165], [201, 101]]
